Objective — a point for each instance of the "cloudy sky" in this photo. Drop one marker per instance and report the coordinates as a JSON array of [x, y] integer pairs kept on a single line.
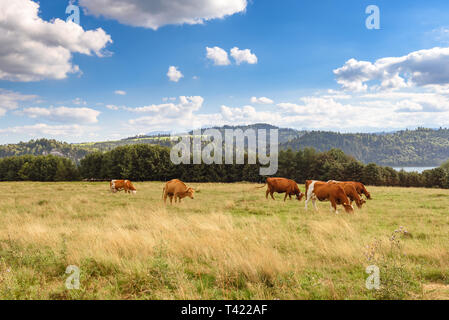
[[139, 66]]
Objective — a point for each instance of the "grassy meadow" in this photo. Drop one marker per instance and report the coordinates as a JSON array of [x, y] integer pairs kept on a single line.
[[227, 243]]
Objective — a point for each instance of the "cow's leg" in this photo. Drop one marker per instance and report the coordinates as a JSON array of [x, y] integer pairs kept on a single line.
[[334, 206], [271, 193], [314, 204], [307, 201], [285, 198], [266, 194]]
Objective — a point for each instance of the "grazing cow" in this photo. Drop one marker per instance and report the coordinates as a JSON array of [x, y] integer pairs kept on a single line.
[[323, 191], [360, 187], [177, 189], [351, 193], [119, 185], [282, 185]]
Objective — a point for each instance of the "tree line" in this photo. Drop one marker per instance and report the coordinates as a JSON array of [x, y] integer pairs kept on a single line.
[[152, 163]]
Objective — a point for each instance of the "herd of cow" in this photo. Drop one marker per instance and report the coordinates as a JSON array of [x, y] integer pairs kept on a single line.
[[336, 192]]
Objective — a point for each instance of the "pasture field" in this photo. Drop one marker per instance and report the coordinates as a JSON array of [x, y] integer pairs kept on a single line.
[[227, 243]]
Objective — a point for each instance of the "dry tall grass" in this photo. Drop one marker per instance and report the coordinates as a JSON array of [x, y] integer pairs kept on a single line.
[[228, 243]]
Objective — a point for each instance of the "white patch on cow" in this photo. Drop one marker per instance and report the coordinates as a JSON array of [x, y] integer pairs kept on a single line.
[[311, 190], [310, 194], [134, 191], [113, 186]]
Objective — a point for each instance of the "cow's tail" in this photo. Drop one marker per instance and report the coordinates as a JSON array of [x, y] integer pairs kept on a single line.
[[261, 186], [163, 192]]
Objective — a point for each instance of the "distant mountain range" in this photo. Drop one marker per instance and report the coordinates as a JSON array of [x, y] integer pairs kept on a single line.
[[420, 147]]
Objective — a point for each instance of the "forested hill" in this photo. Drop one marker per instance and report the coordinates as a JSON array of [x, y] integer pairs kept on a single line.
[[284, 134], [420, 147], [43, 147]]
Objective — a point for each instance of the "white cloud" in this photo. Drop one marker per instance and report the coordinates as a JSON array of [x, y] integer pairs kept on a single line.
[[241, 56], [247, 115], [441, 34], [10, 100], [156, 13], [63, 114], [33, 49], [79, 101], [418, 68], [120, 92], [185, 107], [331, 110], [261, 100], [174, 74], [42, 129], [112, 107], [218, 56]]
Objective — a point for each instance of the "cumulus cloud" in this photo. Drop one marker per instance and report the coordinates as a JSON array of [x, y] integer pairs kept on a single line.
[[261, 100], [247, 115], [32, 49], [242, 56], [156, 13], [63, 114], [10, 100], [181, 115], [418, 68], [174, 74], [218, 56], [42, 129], [120, 92], [332, 110], [185, 107]]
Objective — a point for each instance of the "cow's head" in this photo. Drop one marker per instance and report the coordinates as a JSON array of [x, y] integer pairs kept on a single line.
[[368, 195], [360, 203], [299, 196], [348, 208], [190, 193], [134, 191]]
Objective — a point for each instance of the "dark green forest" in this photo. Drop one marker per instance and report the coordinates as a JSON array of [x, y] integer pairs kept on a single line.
[[152, 163], [414, 148]]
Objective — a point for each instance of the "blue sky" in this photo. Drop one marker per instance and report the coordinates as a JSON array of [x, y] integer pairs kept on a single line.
[[304, 64]]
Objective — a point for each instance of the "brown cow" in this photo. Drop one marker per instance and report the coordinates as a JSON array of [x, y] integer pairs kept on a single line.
[[282, 185], [360, 187], [119, 185], [323, 191], [177, 189], [351, 192]]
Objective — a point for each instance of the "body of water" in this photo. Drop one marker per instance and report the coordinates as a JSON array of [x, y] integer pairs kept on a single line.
[[413, 169]]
